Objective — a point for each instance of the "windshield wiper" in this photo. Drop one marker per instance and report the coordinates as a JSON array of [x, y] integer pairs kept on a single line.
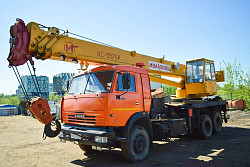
[[92, 91]]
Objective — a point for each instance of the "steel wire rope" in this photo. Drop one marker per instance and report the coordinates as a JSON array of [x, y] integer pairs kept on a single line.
[[19, 79], [35, 83], [21, 82], [89, 39]]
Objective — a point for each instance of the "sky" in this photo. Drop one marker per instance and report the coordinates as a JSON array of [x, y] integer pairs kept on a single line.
[[181, 30]]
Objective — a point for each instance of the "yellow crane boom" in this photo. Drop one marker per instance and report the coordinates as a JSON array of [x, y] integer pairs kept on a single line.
[[48, 43], [52, 45]]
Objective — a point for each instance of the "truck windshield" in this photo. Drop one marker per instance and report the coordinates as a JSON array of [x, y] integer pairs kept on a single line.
[[96, 82]]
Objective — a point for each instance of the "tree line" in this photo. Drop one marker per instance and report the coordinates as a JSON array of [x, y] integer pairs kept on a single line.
[[9, 99], [15, 99]]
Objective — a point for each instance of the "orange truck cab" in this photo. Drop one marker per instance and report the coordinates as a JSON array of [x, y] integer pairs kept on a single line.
[[97, 106]]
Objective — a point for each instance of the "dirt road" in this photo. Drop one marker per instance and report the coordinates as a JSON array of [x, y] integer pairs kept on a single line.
[[21, 144]]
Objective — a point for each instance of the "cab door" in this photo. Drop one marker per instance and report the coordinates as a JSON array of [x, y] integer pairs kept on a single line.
[[210, 80], [125, 103]]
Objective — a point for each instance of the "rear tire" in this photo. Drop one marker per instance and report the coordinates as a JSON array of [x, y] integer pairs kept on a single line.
[[137, 147], [86, 148], [205, 127], [216, 122]]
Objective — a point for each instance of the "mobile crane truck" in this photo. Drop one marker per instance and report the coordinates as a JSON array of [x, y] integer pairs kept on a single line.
[[111, 106]]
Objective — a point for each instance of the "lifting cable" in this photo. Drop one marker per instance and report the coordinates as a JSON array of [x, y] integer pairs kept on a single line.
[[34, 78], [89, 39], [20, 82], [35, 81], [19, 79]]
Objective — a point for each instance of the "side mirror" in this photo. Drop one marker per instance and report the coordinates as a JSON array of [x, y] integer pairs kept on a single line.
[[126, 80]]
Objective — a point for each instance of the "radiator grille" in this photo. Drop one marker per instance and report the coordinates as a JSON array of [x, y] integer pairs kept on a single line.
[[88, 118]]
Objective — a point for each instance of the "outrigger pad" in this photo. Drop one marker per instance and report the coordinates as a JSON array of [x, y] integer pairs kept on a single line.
[[39, 107], [19, 41]]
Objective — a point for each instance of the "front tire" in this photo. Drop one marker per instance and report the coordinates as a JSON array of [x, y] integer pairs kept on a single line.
[[137, 147], [205, 127]]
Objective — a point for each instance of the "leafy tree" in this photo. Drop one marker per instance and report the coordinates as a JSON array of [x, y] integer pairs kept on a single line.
[[237, 83], [54, 97], [7, 99], [15, 100], [169, 90], [58, 97]]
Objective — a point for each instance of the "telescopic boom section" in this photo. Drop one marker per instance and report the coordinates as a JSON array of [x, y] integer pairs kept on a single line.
[[50, 44]]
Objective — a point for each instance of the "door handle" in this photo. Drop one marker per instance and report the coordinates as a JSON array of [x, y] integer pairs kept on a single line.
[[137, 103]]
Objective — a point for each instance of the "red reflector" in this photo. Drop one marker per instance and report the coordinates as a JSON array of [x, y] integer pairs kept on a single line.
[[190, 112]]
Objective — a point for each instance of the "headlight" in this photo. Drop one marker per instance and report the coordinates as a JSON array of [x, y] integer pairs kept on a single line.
[[100, 139], [104, 139]]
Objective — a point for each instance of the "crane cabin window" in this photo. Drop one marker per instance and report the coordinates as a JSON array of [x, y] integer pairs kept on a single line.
[[119, 85], [213, 72], [207, 72], [194, 72]]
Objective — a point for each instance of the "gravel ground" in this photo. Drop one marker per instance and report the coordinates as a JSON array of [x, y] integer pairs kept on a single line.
[[21, 144]]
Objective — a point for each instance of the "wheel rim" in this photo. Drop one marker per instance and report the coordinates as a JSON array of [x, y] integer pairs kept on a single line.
[[139, 144], [207, 127]]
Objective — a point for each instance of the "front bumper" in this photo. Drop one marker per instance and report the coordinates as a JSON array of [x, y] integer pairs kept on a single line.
[[86, 135]]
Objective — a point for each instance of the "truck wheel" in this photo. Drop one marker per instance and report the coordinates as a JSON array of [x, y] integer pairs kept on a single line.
[[86, 148], [137, 147], [205, 127], [216, 122]]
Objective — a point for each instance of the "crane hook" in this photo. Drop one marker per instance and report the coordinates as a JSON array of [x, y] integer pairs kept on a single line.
[[49, 132]]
